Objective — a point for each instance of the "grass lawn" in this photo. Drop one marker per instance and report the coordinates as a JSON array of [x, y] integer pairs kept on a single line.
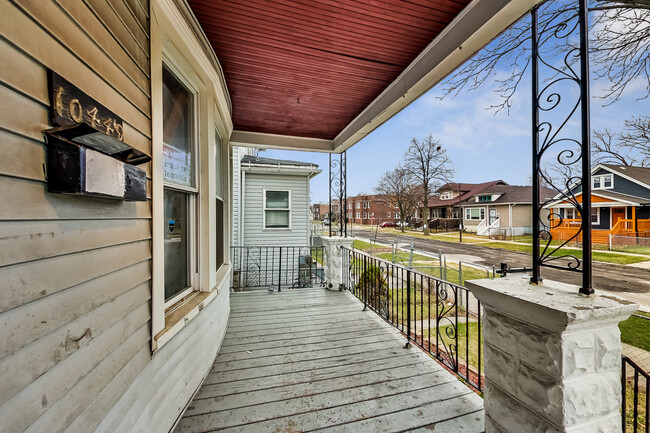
[[598, 256], [361, 245], [402, 257], [473, 349], [636, 331], [635, 249]]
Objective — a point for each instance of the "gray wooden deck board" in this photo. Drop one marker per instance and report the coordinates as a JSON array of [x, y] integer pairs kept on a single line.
[[311, 360]]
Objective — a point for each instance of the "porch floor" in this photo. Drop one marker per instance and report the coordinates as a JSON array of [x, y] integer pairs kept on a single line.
[[310, 359]]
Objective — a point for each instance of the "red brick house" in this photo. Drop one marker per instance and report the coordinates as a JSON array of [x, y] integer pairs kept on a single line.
[[370, 210]]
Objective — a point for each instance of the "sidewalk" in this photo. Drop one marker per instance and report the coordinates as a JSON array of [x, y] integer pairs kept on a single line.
[[639, 356]]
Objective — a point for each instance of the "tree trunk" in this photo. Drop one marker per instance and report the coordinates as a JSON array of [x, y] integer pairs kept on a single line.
[[425, 219]]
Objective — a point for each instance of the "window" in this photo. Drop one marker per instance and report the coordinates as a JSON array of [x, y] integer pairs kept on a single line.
[[388, 214], [365, 205], [349, 214], [365, 214], [484, 198], [180, 187], [570, 213], [218, 194], [358, 205], [595, 215], [368, 205], [475, 213], [358, 215], [604, 181], [447, 195], [396, 214], [277, 209], [349, 205], [372, 214]]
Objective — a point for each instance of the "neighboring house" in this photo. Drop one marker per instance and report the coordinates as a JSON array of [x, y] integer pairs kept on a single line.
[[620, 205], [320, 211], [238, 153], [507, 208], [446, 202], [274, 201], [371, 209]]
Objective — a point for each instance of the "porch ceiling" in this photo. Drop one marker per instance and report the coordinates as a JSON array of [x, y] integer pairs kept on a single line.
[[320, 72]]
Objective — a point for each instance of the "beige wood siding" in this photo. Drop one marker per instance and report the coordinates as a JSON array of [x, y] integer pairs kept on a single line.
[[75, 272]]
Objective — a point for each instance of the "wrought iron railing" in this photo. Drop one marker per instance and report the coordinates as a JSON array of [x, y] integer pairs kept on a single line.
[[635, 407], [275, 268], [441, 318]]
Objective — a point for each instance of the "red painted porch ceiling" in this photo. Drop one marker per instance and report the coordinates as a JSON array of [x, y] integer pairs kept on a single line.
[[307, 68]]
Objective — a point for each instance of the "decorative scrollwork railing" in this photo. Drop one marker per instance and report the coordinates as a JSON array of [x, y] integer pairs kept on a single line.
[[441, 318], [338, 194], [564, 96]]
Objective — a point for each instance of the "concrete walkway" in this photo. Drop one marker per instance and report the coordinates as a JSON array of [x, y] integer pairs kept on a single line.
[[639, 356]]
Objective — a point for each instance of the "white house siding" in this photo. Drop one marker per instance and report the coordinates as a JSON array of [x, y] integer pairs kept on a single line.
[[237, 154], [75, 273], [254, 233]]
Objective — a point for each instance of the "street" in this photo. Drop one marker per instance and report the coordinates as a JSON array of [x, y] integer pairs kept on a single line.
[[628, 282]]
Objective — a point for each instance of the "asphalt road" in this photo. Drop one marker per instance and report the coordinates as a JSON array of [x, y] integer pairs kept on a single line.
[[629, 282]]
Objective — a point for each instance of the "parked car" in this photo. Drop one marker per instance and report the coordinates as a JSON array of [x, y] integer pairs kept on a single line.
[[387, 224]]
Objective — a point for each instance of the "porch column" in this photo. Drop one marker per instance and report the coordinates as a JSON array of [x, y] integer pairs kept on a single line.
[[333, 252], [552, 356]]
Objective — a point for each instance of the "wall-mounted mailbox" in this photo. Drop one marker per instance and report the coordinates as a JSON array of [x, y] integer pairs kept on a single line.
[[86, 153], [74, 169]]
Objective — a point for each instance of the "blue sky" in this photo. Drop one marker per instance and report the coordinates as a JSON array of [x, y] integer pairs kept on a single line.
[[482, 145]]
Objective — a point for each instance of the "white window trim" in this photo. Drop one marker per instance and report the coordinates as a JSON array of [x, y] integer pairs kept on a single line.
[[358, 213], [468, 213], [264, 209], [597, 222], [601, 180], [171, 35], [365, 215], [447, 195], [183, 73], [388, 214]]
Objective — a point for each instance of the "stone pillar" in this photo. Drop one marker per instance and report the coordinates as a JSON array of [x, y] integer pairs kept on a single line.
[[552, 357], [333, 260]]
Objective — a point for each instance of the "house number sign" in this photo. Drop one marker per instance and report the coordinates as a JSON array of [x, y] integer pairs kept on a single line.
[[70, 105]]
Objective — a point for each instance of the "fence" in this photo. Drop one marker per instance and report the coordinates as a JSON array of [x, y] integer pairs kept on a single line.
[[442, 318], [630, 244], [635, 409], [277, 267]]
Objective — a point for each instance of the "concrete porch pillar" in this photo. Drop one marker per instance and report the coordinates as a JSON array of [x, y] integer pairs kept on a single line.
[[333, 260], [552, 357]]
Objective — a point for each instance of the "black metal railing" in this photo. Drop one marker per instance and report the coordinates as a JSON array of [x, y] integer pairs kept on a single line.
[[441, 318], [635, 407], [275, 268]]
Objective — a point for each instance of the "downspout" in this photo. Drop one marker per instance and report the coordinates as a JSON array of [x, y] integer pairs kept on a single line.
[[242, 207]]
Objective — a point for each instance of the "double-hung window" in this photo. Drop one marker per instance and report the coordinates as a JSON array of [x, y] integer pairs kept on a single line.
[[277, 209], [219, 193], [180, 187], [475, 213]]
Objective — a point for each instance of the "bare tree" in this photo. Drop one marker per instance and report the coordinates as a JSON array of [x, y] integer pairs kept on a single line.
[[395, 185], [427, 162], [619, 47], [629, 146]]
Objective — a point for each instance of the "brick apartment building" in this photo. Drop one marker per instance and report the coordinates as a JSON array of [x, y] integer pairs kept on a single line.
[[370, 210]]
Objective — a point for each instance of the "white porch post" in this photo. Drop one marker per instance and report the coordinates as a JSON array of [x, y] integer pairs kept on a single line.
[[552, 357], [332, 247]]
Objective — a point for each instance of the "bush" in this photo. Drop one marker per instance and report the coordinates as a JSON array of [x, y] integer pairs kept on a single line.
[[372, 284]]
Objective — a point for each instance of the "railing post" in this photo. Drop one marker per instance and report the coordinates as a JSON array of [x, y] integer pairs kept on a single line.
[[364, 278], [280, 272], [408, 310]]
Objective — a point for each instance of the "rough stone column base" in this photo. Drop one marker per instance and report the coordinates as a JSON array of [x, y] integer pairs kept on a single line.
[[552, 357], [333, 260]]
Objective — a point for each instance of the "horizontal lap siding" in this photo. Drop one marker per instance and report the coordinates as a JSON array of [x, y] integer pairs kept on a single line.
[[254, 233], [75, 272]]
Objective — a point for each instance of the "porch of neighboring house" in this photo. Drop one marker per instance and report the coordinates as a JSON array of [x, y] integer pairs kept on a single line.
[[312, 359], [609, 218]]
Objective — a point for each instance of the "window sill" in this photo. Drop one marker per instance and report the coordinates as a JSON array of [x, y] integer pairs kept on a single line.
[[181, 313]]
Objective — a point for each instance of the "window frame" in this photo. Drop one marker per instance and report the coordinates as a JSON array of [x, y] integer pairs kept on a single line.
[[264, 209], [192, 192], [468, 213], [597, 222], [447, 195], [601, 181]]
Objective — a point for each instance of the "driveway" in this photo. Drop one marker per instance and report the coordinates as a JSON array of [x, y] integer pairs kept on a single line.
[[626, 281]]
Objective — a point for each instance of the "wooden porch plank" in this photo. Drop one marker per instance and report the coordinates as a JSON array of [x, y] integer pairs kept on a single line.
[[280, 369], [300, 364], [380, 397], [312, 388], [386, 343], [288, 343], [295, 377]]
